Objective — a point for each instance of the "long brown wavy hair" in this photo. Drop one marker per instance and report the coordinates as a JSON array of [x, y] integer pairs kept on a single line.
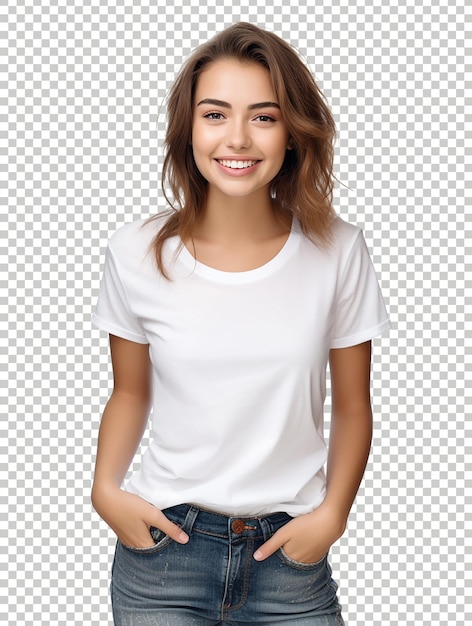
[[304, 184]]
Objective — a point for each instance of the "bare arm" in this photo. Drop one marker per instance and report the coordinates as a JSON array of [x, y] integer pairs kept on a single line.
[[125, 416], [308, 537], [351, 426], [123, 423]]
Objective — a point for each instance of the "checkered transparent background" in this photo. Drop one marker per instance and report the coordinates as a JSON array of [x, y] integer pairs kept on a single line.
[[83, 85]]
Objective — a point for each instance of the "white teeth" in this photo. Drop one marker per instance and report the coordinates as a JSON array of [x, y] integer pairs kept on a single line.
[[237, 165]]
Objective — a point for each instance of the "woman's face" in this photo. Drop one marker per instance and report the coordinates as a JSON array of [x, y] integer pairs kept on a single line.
[[239, 138]]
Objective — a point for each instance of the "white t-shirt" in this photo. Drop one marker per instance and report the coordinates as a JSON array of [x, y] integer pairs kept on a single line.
[[239, 364]]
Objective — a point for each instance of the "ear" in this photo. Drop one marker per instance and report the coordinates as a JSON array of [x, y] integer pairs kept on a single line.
[[290, 144]]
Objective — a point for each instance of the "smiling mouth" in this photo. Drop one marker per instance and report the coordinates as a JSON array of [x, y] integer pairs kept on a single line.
[[236, 165]]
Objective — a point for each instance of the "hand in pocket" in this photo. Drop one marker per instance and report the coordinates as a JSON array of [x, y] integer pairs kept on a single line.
[[131, 517]]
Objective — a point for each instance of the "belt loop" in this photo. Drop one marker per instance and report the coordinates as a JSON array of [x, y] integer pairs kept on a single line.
[[190, 518], [266, 527]]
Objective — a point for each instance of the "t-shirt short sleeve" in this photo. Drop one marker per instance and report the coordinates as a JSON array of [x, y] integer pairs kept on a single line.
[[360, 312], [113, 313]]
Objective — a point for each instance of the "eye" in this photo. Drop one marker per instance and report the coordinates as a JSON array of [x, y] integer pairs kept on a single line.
[[213, 115], [265, 118]]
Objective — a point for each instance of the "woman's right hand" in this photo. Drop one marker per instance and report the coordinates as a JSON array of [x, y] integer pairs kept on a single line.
[[121, 429], [131, 517]]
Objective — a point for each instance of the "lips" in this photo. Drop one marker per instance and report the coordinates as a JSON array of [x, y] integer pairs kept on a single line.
[[236, 164]]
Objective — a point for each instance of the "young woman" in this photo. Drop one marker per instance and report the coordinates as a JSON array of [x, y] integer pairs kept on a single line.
[[223, 314]]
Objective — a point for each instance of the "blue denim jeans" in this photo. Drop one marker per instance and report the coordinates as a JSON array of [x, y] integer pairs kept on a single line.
[[213, 580]]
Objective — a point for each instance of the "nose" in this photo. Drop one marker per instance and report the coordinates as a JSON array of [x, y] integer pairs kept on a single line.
[[238, 135]]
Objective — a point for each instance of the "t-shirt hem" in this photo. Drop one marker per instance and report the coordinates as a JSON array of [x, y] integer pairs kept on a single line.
[[360, 337], [112, 329], [240, 510]]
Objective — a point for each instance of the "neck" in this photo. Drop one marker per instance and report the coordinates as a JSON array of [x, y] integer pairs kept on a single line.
[[226, 218]]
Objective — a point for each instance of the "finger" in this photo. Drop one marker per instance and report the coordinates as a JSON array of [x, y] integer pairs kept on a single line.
[[169, 528], [269, 547], [137, 542]]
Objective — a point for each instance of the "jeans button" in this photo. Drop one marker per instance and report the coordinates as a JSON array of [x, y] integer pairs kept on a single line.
[[237, 526]]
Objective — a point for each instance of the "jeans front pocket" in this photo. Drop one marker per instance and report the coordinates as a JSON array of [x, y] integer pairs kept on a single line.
[[299, 565], [161, 540]]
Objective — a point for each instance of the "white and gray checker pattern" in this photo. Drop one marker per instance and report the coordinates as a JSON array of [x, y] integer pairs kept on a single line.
[[82, 90]]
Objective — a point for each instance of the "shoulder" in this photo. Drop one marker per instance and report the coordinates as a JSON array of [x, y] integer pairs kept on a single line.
[[349, 249], [343, 237], [135, 238], [344, 234]]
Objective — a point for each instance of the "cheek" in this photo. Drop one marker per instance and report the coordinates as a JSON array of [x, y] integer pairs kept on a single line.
[[197, 145], [281, 149], [276, 144], [203, 137], [200, 158]]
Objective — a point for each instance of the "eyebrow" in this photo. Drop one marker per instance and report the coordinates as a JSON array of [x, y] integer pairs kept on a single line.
[[227, 105]]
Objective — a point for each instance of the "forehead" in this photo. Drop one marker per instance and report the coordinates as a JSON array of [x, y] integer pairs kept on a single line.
[[228, 79]]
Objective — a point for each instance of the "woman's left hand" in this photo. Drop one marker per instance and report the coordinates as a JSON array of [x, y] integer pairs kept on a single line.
[[307, 538]]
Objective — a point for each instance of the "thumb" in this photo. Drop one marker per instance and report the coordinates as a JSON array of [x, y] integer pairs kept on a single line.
[[169, 528], [269, 547]]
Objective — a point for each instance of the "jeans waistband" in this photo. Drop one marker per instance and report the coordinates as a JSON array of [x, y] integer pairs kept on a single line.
[[209, 522]]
